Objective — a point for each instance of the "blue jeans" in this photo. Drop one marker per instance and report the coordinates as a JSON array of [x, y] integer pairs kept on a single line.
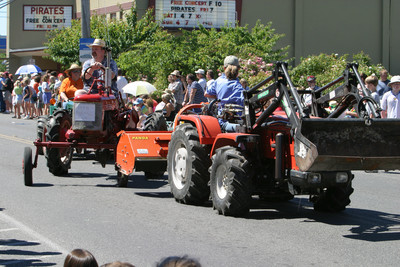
[[2, 103], [229, 127]]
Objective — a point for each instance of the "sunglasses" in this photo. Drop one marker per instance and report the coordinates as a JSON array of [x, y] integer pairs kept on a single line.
[[75, 71]]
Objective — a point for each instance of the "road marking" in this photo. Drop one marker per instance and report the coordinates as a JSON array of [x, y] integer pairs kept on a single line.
[[9, 229], [16, 139], [26, 229]]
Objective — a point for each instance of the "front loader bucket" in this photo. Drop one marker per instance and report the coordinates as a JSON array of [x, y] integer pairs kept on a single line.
[[348, 144]]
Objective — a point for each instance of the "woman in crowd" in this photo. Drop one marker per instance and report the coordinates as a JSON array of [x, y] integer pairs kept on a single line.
[[46, 93], [167, 106], [17, 96], [27, 95]]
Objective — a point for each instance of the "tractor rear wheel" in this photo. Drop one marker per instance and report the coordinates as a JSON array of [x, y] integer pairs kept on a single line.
[[155, 122], [188, 164], [41, 132], [230, 182], [333, 199], [58, 159]]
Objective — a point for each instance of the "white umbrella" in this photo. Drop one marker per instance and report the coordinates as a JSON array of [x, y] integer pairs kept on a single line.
[[138, 88], [28, 69]]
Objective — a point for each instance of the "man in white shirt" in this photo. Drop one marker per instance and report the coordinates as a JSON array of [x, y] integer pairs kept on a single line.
[[390, 100], [121, 82], [201, 79]]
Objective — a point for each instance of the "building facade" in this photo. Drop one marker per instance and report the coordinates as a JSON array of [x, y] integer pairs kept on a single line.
[[310, 26]]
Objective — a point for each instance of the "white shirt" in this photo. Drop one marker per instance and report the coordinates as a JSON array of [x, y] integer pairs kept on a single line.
[[203, 84], [390, 103], [121, 82], [209, 82]]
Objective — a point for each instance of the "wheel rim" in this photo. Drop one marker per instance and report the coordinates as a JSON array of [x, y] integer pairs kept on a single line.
[[222, 182], [179, 166]]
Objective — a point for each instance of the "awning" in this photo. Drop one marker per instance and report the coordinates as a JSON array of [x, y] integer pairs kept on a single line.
[[34, 51]]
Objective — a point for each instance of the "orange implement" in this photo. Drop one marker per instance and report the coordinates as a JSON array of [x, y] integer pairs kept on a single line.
[[142, 151]]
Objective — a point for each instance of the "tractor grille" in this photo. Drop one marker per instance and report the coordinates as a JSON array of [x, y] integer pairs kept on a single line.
[[87, 116]]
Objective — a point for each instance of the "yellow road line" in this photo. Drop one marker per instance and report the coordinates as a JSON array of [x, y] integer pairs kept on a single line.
[[16, 139]]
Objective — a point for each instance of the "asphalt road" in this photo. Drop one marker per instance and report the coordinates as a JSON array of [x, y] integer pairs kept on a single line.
[[141, 224]]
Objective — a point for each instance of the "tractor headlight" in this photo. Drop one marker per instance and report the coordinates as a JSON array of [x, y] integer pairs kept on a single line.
[[342, 177]]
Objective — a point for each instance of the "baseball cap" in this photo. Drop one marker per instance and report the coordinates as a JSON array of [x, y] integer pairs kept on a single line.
[[199, 71], [176, 73], [311, 78], [231, 60], [138, 101]]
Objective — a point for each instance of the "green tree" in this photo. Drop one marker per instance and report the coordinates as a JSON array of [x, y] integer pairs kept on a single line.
[[120, 35], [203, 48], [3, 66], [327, 68]]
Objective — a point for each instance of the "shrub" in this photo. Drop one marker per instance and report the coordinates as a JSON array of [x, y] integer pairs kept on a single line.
[[327, 68]]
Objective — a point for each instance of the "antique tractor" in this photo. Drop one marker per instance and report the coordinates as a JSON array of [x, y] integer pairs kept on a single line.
[[92, 123]]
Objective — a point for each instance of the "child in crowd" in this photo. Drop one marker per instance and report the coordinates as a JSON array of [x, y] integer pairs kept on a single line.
[[17, 99]]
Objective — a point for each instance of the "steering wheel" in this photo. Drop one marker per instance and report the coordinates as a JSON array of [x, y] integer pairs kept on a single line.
[[87, 81], [362, 107], [211, 108]]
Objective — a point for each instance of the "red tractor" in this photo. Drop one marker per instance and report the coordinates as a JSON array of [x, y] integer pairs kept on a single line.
[[92, 123], [281, 153], [283, 149]]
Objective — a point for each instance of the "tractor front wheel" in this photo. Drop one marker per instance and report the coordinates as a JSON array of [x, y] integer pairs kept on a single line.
[[333, 199], [58, 159], [41, 132], [230, 182], [27, 166], [188, 164]]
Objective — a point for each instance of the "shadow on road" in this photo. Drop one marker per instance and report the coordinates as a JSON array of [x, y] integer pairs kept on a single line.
[[14, 255], [140, 182], [367, 225]]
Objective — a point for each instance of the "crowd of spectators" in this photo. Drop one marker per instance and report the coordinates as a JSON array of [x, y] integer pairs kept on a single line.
[[83, 258]]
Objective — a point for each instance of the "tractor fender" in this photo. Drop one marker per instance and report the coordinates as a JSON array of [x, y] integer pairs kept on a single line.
[[207, 126], [233, 139]]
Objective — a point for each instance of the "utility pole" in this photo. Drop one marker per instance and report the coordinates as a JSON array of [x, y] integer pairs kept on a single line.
[[85, 18]]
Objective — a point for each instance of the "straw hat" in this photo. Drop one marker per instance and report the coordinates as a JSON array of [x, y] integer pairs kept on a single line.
[[74, 66], [98, 42]]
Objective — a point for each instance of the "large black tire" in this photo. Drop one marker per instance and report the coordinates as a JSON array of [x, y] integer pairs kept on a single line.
[[27, 166], [230, 182], [155, 122], [41, 132], [58, 159], [188, 164], [333, 199]]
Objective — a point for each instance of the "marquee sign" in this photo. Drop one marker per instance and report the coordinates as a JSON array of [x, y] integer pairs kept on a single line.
[[188, 14], [44, 18]]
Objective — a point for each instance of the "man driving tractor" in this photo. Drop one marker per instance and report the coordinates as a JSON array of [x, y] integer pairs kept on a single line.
[[95, 67]]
